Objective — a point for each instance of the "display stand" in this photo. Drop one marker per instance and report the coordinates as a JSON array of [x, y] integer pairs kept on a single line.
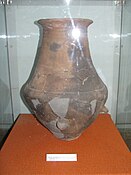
[[100, 150]]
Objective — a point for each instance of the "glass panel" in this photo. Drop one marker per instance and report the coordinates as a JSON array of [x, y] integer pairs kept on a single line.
[[5, 94], [103, 39], [124, 95], [62, 2]]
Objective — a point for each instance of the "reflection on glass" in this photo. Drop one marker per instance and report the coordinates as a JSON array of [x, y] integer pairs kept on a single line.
[[76, 33], [67, 2]]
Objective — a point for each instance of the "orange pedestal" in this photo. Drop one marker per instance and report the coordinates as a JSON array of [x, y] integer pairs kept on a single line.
[[100, 150]]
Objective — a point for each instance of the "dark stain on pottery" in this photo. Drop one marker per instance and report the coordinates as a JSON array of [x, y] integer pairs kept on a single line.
[[54, 47]]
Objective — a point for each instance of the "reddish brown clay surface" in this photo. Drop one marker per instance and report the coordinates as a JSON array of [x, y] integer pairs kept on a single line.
[[65, 91]]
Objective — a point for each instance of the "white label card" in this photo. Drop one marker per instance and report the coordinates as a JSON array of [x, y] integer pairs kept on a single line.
[[61, 157]]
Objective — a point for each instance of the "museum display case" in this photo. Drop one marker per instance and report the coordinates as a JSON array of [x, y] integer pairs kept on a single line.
[[109, 43]]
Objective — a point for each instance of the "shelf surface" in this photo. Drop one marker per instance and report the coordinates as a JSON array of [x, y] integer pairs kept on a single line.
[[100, 150]]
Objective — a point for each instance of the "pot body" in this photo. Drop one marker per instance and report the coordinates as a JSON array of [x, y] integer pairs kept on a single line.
[[65, 92]]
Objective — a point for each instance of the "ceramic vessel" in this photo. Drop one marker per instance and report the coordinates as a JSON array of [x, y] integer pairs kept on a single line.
[[64, 91]]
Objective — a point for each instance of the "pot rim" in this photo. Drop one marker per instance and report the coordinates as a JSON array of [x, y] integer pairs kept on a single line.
[[52, 22]]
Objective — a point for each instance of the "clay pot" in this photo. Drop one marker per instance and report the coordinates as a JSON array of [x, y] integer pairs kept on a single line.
[[65, 92]]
